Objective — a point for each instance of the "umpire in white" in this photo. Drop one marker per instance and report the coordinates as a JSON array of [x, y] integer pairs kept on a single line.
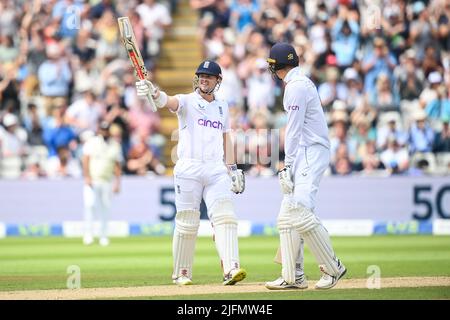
[[102, 160], [307, 149]]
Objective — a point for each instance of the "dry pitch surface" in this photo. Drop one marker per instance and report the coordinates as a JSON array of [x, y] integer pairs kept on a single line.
[[161, 291]]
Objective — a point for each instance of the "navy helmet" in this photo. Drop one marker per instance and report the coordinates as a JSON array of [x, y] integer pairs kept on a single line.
[[281, 55], [209, 67]]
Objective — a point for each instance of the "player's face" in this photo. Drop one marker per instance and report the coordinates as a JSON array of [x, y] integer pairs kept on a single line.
[[206, 82]]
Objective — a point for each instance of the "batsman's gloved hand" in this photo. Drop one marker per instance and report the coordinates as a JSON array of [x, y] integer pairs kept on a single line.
[[237, 179], [286, 181], [144, 88]]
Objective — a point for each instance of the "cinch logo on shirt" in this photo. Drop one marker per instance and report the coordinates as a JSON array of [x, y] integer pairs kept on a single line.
[[211, 124], [294, 108]]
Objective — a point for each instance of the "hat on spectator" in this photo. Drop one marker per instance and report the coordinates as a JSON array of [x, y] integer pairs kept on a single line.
[[434, 77], [391, 117], [418, 7], [53, 50], [339, 105], [339, 115], [10, 120], [410, 54], [351, 74], [104, 125], [420, 115]]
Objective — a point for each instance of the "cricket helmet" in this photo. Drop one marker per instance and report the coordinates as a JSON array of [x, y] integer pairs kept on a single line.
[[281, 55], [209, 67]]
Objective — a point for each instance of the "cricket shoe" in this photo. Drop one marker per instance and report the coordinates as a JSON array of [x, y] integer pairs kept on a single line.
[[183, 281], [281, 284], [104, 242], [328, 281], [88, 240], [234, 276]]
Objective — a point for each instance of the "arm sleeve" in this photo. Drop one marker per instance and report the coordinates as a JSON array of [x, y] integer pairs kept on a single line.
[[182, 100], [295, 105], [226, 125], [87, 148]]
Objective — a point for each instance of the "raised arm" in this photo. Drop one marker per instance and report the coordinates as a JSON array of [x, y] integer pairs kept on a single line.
[[144, 87]]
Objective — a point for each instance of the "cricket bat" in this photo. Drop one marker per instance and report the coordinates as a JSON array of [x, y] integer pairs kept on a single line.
[[130, 43]]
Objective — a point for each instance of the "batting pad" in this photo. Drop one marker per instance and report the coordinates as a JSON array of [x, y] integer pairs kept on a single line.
[[299, 260], [317, 238], [183, 246], [289, 243], [225, 234]]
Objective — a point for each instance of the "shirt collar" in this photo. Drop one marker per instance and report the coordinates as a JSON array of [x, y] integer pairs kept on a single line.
[[200, 96], [293, 72]]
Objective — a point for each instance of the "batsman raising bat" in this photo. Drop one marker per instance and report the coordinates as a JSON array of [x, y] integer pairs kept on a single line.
[[307, 157], [205, 169]]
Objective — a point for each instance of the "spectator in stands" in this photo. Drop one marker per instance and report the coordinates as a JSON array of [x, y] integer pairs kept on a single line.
[[442, 138], [259, 144], [107, 32], [395, 159], [362, 134], [389, 130], [55, 77], [57, 133], [13, 138], [332, 89], [371, 162], [431, 93], [438, 108], [33, 125], [410, 79], [156, 19], [384, 98], [345, 33], [85, 113], [63, 165], [141, 160], [260, 86], [354, 86], [342, 165], [231, 88], [8, 52], [421, 30], [376, 62], [242, 12], [339, 134], [9, 89], [421, 136], [67, 15]]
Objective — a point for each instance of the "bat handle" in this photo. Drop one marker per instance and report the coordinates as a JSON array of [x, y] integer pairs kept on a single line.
[[152, 102]]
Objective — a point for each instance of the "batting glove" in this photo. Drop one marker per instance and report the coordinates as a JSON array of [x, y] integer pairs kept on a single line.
[[237, 179], [144, 88], [286, 182]]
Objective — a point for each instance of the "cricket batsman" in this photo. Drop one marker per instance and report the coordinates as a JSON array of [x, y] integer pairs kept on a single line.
[[205, 169], [307, 157]]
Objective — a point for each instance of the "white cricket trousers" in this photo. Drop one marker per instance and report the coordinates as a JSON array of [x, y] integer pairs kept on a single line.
[[97, 205], [308, 169], [194, 180]]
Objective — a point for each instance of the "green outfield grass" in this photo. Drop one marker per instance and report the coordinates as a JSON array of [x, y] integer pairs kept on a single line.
[[41, 263]]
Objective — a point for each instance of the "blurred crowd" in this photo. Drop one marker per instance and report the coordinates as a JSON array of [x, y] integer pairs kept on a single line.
[[382, 69], [63, 70]]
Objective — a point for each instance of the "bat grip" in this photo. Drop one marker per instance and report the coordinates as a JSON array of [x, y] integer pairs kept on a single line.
[[152, 102]]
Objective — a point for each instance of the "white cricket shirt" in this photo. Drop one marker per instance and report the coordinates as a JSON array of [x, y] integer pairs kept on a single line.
[[103, 156], [201, 127], [306, 124]]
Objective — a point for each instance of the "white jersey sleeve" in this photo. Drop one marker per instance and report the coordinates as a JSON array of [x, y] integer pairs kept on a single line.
[[226, 123], [295, 105]]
